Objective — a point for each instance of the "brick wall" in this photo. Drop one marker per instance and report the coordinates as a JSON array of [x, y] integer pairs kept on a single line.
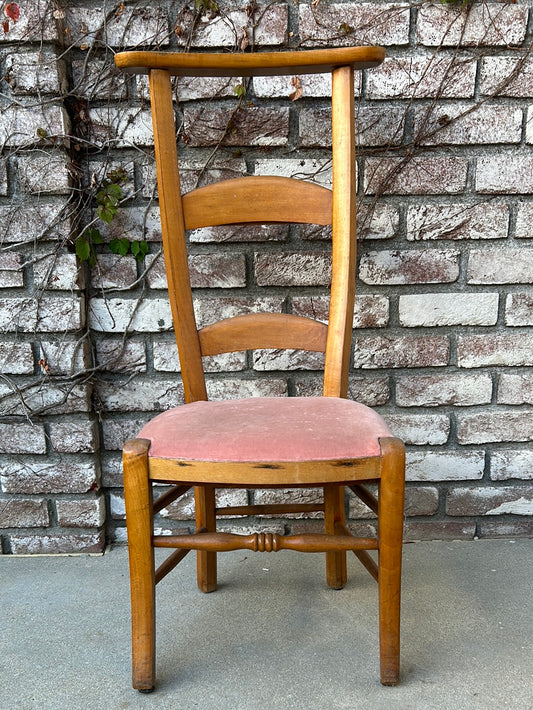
[[442, 347]]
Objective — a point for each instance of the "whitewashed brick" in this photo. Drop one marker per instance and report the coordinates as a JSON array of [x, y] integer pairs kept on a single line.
[[437, 390], [500, 266], [511, 463], [515, 388], [134, 223], [487, 23], [406, 267], [19, 124], [210, 310], [444, 465], [183, 508], [508, 76], [35, 24], [140, 395], [422, 76], [60, 314], [3, 178], [74, 436], [24, 513], [63, 357], [220, 389], [42, 221], [513, 350], [166, 359], [315, 85], [505, 174], [98, 80], [417, 176], [293, 269], [354, 23], [492, 426], [117, 315], [466, 124], [11, 270], [529, 126], [277, 496], [45, 397], [401, 351], [441, 309], [312, 170], [370, 311], [58, 272], [519, 309], [57, 544], [117, 431], [121, 356], [524, 221], [16, 358], [420, 429], [87, 513], [265, 360], [250, 126], [114, 271], [44, 174], [503, 500], [380, 222], [485, 220], [129, 28], [35, 72], [39, 477], [122, 127], [22, 438]]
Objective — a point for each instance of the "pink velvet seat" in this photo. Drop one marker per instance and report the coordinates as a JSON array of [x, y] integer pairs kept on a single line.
[[267, 429]]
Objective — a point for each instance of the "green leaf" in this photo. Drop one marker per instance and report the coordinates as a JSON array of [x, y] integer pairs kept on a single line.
[[120, 246], [83, 249], [106, 213], [139, 250], [239, 90]]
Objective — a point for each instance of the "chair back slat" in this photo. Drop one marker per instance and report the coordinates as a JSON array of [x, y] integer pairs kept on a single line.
[[257, 199], [254, 331]]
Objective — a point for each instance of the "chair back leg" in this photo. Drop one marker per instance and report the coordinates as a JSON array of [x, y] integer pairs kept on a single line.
[[334, 514], [206, 562]]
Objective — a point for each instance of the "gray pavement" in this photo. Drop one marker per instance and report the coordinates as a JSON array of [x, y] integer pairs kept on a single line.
[[273, 636]]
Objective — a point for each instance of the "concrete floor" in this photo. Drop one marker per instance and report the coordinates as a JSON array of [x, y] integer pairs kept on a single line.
[[273, 637]]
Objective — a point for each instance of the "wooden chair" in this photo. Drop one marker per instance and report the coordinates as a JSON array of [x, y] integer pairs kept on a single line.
[[328, 442]]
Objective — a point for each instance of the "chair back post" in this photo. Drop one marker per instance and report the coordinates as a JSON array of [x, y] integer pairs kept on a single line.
[[342, 294], [173, 231]]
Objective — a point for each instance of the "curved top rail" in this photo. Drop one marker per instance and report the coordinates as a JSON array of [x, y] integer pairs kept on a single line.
[[309, 61]]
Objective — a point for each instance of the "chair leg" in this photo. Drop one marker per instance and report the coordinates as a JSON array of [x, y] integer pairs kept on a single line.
[[390, 531], [336, 574], [206, 562], [139, 519]]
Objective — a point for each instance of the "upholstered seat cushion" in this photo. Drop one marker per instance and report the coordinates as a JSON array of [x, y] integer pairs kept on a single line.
[[267, 429]]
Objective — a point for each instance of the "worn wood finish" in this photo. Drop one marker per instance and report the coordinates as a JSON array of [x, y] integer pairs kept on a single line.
[[258, 64], [251, 200], [257, 198], [390, 531], [265, 542], [138, 499], [263, 330]]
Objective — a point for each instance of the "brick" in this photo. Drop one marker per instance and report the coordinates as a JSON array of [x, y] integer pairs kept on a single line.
[[129, 27], [139, 395], [401, 351], [64, 357], [488, 23], [498, 349], [87, 513], [3, 180], [422, 76], [312, 170], [514, 500], [183, 508], [349, 23], [16, 358], [114, 271], [47, 220], [519, 309], [279, 496], [394, 267], [268, 360], [524, 220], [253, 126], [370, 311], [501, 528], [416, 531], [111, 464], [281, 87], [46, 397], [372, 391], [74, 436], [34, 72], [58, 272], [60, 314], [122, 127], [293, 269], [118, 315], [193, 173], [240, 233], [438, 390], [44, 174], [210, 310], [18, 125], [484, 220], [23, 513], [501, 174], [134, 223], [193, 88], [116, 431], [485, 427], [35, 24], [222, 30], [121, 356], [222, 270], [85, 543], [515, 388], [511, 463], [98, 80], [440, 309], [221, 389], [415, 176], [22, 439], [468, 124], [381, 221], [166, 359], [500, 266], [420, 500], [34, 477], [420, 429], [507, 76], [117, 505], [11, 270], [444, 465], [373, 127]]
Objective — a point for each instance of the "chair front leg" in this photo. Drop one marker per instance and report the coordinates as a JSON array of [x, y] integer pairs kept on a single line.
[[206, 562], [390, 533], [139, 520], [336, 574]]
